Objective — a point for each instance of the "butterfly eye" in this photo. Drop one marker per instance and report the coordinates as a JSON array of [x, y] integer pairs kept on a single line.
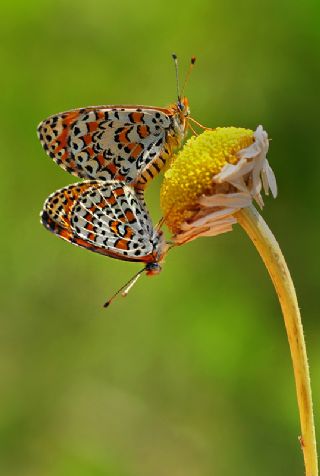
[[180, 106]]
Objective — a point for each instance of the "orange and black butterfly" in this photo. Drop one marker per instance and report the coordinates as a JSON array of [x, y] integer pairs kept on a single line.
[[126, 143], [118, 150], [107, 218]]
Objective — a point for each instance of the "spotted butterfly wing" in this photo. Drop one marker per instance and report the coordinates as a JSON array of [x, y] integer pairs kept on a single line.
[[104, 217], [125, 143]]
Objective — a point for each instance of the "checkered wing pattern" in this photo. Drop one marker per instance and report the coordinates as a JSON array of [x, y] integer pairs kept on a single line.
[[105, 217], [111, 142]]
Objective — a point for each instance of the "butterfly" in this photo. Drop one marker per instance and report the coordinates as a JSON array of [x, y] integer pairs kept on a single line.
[[117, 150], [125, 143], [106, 217]]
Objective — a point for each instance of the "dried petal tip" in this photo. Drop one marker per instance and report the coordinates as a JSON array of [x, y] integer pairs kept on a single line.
[[215, 175]]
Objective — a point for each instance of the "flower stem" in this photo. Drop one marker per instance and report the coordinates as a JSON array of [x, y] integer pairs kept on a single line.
[[270, 252]]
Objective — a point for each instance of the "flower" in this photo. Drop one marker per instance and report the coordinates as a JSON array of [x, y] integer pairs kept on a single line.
[[210, 186], [215, 175]]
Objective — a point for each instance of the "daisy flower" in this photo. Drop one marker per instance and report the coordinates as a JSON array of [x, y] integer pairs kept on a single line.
[[216, 174], [212, 184]]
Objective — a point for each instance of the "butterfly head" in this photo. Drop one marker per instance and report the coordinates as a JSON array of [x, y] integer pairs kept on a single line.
[[180, 114], [182, 104], [183, 107], [152, 268]]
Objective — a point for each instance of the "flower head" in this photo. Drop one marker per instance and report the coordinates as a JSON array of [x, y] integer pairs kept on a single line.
[[215, 175]]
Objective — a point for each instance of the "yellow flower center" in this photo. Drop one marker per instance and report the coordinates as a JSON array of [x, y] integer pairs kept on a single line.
[[192, 170]]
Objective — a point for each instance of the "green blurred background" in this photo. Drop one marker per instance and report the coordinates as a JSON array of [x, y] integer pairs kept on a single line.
[[190, 374]]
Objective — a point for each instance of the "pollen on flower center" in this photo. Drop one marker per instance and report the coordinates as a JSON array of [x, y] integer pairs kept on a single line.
[[191, 173]]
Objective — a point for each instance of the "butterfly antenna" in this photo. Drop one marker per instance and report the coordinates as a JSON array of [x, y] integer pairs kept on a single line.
[[194, 132], [192, 62], [160, 223], [175, 59], [200, 125], [170, 244], [126, 288]]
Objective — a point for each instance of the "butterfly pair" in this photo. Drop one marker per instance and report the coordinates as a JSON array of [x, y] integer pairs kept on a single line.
[[118, 150]]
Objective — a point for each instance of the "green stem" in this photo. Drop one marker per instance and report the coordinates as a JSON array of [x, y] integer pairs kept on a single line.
[[270, 252]]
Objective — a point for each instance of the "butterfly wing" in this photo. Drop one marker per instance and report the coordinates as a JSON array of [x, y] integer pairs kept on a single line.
[[105, 217], [59, 204], [107, 142]]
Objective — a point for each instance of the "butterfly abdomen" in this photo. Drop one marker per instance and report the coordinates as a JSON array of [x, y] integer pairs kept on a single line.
[[158, 163], [151, 171]]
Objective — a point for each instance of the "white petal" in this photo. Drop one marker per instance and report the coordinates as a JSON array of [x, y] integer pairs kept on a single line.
[[232, 172], [210, 217], [220, 226], [271, 179], [261, 138], [249, 152], [189, 235], [259, 200], [218, 230], [265, 181], [237, 200], [240, 185]]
